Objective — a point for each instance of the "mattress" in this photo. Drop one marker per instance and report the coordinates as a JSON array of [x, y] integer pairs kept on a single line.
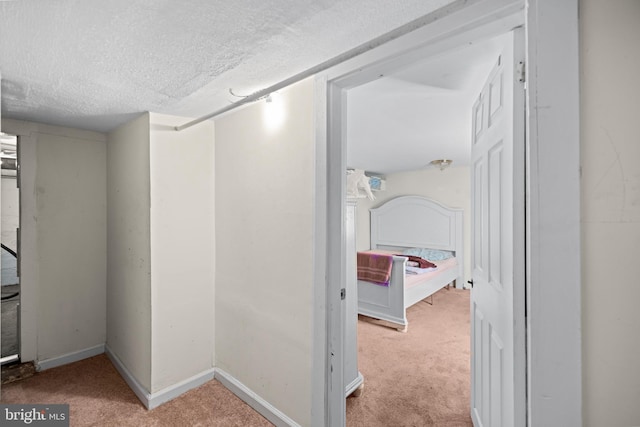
[[413, 279]]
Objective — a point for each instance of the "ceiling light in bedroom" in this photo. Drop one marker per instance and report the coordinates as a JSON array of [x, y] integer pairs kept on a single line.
[[442, 163]]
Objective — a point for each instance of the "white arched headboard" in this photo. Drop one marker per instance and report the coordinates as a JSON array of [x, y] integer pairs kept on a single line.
[[416, 221]]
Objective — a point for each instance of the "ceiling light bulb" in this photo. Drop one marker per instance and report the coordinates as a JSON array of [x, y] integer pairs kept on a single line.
[[442, 163]]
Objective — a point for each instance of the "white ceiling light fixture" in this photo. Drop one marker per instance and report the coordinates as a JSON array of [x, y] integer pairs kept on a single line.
[[442, 163], [274, 111]]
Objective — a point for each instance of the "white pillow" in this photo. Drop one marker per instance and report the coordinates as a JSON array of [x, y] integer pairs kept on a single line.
[[429, 254]]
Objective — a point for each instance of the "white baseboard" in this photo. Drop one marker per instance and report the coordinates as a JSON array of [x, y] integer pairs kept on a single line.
[[175, 390], [153, 400], [65, 359], [135, 386], [252, 399]]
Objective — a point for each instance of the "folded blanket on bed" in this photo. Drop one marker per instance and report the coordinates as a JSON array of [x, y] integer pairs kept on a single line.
[[418, 270], [422, 263], [374, 267]]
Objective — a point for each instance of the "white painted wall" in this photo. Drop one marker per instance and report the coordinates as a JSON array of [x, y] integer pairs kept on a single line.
[[451, 187], [610, 63], [128, 248], [160, 292], [182, 250], [63, 240], [264, 239]]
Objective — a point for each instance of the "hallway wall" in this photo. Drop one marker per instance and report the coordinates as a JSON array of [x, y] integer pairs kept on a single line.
[[610, 149], [182, 250], [129, 248], [264, 240]]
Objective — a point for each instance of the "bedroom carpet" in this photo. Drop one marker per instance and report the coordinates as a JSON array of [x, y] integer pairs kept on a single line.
[[418, 378]]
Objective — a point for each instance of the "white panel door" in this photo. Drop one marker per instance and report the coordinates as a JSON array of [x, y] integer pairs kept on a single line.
[[498, 363]]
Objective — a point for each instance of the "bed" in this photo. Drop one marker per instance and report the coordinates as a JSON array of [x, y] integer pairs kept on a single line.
[[411, 222]]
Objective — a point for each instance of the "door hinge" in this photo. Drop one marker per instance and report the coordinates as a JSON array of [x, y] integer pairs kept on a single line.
[[343, 293], [520, 72]]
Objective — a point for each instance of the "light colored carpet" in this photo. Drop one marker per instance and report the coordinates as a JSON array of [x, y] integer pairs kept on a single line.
[[418, 378], [98, 396]]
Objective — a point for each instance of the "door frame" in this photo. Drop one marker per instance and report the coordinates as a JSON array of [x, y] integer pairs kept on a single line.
[[18, 257], [552, 235], [29, 272]]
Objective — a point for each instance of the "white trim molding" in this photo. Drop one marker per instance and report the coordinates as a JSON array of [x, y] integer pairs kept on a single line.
[[142, 393], [252, 399], [153, 400], [321, 374], [553, 228], [169, 393], [65, 359]]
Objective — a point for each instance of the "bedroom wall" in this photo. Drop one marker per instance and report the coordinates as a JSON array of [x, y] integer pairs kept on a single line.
[[128, 248], [610, 64], [182, 250], [451, 187], [63, 173], [264, 241]]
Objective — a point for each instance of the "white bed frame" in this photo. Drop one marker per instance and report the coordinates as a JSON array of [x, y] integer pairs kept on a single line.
[[408, 222]]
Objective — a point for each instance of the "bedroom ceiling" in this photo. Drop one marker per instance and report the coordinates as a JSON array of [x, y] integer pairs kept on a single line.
[[406, 119], [95, 65]]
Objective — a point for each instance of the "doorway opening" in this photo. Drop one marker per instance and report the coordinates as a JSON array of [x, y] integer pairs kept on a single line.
[[10, 226], [425, 45], [397, 128]]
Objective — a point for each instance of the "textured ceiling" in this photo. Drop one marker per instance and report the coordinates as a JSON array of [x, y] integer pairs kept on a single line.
[[95, 64]]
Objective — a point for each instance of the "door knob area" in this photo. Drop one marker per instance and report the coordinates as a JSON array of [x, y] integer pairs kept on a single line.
[[470, 282]]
